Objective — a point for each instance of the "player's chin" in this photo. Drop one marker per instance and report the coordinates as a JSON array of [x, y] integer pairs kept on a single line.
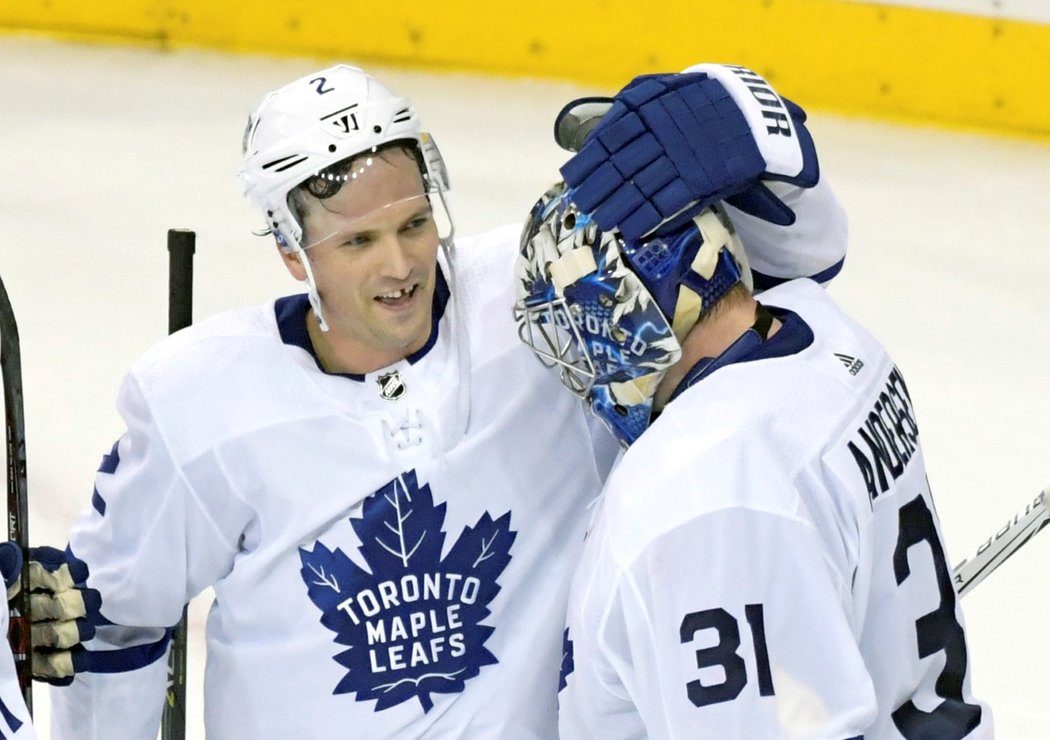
[[411, 336], [410, 318]]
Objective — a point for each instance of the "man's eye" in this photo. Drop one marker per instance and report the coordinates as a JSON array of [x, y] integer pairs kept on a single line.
[[417, 223], [358, 240]]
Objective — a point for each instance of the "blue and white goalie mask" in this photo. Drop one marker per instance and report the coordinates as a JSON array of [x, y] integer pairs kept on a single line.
[[611, 315]]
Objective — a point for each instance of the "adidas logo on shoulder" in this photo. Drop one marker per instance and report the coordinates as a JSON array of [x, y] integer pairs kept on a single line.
[[851, 363]]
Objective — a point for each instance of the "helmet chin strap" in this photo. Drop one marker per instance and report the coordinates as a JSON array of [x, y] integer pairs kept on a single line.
[[460, 338], [311, 284]]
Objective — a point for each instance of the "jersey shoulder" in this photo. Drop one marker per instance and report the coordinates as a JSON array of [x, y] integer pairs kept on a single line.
[[483, 285], [483, 266], [220, 377], [232, 346], [748, 434], [232, 328]]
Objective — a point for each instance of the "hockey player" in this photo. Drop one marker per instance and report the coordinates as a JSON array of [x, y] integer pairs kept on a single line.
[[765, 560], [384, 489]]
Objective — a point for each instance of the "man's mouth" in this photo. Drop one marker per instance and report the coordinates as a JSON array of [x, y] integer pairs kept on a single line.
[[397, 297]]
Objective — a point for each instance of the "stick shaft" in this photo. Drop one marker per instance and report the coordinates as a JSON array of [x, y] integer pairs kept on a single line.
[[181, 246], [17, 489]]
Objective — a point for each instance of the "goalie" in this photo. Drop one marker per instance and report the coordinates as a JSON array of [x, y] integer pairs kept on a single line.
[[766, 559]]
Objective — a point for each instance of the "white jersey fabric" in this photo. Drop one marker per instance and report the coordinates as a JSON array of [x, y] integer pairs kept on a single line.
[[766, 560]]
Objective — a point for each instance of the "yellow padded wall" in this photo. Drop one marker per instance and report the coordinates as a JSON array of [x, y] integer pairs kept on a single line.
[[860, 58]]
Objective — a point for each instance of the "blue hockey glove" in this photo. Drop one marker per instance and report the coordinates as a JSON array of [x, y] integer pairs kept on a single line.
[[669, 145], [11, 567], [63, 611]]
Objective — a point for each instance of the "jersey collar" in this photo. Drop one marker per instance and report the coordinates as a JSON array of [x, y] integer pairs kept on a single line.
[[290, 312], [793, 337]]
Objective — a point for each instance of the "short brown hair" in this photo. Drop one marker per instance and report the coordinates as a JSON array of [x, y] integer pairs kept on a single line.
[[329, 181]]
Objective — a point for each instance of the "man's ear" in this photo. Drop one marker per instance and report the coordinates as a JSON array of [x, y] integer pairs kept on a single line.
[[293, 263]]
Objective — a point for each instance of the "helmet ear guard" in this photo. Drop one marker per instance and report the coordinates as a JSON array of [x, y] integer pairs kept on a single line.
[[610, 314]]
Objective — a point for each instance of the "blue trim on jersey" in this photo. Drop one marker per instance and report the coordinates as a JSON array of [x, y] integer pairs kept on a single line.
[[111, 460], [123, 660], [109, 464], [13, 723], [290, 312], [568, 664], [793, 336], [763, 281], [97, 502]]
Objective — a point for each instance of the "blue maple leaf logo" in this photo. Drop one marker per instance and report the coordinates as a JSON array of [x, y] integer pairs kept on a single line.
[[412, 622]]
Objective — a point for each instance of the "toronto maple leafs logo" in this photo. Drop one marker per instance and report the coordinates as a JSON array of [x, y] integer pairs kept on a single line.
[[412, 622]]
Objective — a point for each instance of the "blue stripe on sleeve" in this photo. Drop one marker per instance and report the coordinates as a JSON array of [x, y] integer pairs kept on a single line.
[[123, 660], [765, 282]]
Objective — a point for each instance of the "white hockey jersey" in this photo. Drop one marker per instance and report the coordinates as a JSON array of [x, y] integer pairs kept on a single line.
[[374, 573], [766, 561]]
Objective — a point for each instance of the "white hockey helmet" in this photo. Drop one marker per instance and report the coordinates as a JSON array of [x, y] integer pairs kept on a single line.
[[322, 119]]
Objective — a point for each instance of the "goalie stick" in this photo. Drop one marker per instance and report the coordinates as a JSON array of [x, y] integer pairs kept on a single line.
[[17, 491], [180, 315], [994, 551]]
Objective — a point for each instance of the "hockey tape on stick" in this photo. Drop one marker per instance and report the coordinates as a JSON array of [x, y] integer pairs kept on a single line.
[[994, 551]]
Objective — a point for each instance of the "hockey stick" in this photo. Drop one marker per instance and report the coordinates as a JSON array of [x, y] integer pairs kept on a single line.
[[17, 490], [994, 551], [180, 315]]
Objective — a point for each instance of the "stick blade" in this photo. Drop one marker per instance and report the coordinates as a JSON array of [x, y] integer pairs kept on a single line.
[[994, 551]]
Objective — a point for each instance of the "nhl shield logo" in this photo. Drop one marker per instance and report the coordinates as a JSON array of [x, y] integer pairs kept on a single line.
[[391, 386]]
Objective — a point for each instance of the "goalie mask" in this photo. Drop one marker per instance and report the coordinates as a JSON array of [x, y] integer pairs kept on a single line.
[[307, 133], [611, 314]]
